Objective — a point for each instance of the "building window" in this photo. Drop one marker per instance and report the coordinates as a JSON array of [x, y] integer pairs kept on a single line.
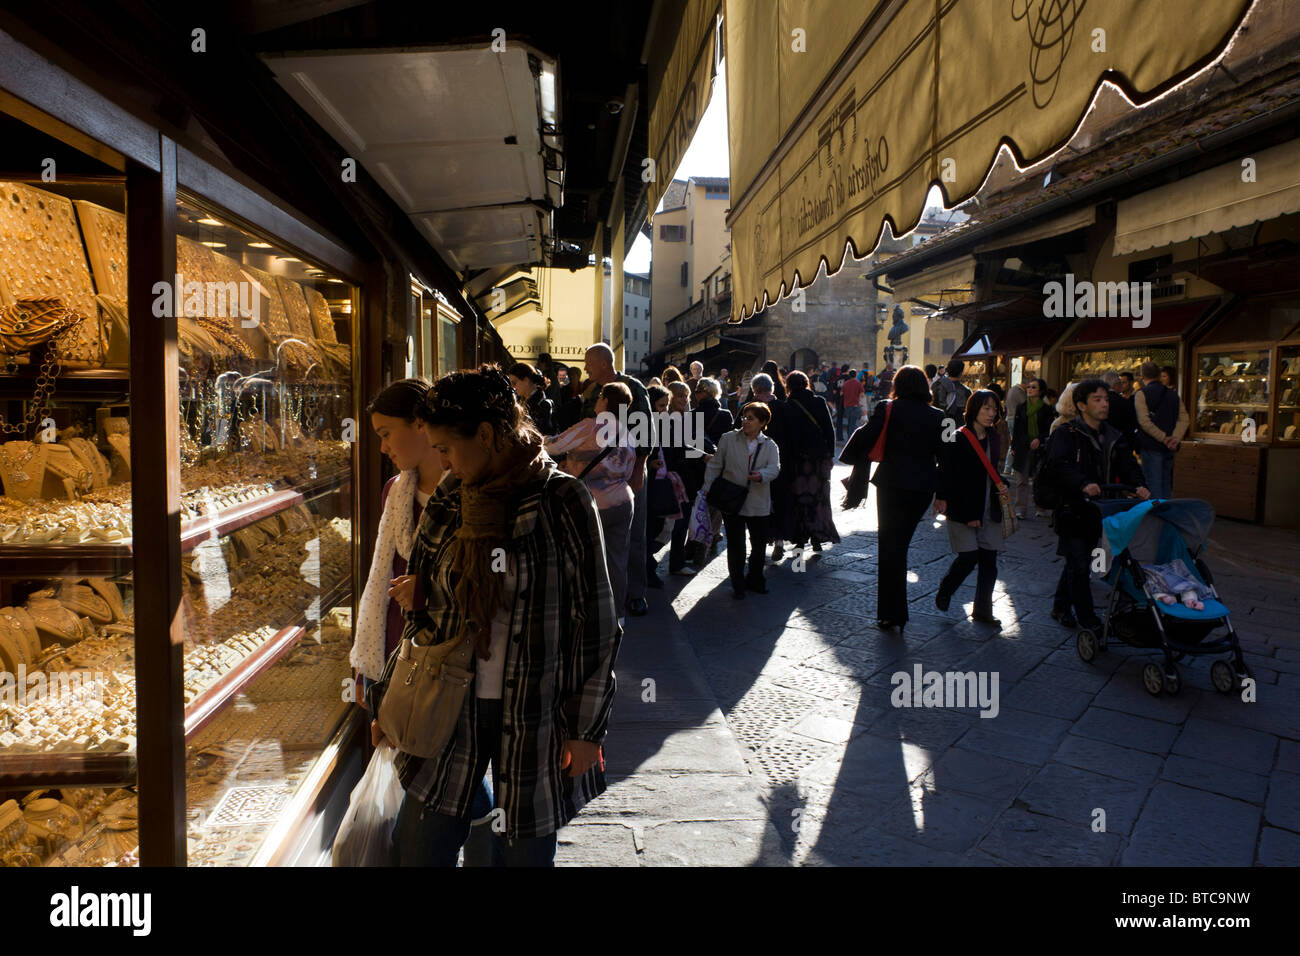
[[684, 274], [672, 233], [928, 343], [692, 232], [717, 192], [635, 311], [949, 346], [625, 310]]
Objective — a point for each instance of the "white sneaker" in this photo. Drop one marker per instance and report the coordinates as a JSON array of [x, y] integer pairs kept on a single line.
[[1020, 515]]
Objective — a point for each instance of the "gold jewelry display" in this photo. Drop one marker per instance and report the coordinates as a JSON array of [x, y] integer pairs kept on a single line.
[[17, 625], [32, 470], [90, 459], [121, 445], [49, 261], [53, 620]]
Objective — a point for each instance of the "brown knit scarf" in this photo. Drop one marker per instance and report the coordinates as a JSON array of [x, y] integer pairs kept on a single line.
[[483, 509]]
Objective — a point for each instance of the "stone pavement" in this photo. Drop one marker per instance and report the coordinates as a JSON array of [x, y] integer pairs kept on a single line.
[[767, 736]]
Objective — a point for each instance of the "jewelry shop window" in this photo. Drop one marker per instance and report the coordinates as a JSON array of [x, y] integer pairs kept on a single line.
[[268, 421], [67, 645]]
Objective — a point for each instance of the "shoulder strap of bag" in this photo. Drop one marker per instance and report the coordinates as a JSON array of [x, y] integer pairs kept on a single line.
[[595, 461], [979, 450], [807, 413]]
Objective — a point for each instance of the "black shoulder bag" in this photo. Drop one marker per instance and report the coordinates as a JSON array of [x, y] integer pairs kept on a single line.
[[727, 496]]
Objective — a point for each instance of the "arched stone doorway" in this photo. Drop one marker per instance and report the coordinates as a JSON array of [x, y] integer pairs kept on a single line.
[[800, 359]]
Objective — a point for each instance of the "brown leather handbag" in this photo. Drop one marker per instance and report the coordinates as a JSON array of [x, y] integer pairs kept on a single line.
[[424, 690]]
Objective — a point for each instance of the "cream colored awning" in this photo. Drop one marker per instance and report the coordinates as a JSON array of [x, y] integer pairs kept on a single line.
[[1216, 200], [1069, 222], [680, 69], [842, 115], [950, 281]]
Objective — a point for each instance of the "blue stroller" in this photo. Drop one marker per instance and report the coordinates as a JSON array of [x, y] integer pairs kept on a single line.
[[1158, 532]]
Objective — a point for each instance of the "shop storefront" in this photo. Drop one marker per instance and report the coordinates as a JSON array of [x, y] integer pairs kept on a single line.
[[1116, 344], [1246, 412], [188, 477], [1007, 352]]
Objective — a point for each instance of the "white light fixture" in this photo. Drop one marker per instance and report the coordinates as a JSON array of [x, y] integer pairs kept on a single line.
[[259, 245], [215, 245], [288, 259], [209, 221]]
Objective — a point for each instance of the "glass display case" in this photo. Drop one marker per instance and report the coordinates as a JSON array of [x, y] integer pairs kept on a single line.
[[1232, 389], [67, 666], [266, 457], [1083, 364], [267, 474], [1288, 394]]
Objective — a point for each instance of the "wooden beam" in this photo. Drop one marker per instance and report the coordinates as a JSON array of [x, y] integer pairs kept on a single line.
[[156, 512]]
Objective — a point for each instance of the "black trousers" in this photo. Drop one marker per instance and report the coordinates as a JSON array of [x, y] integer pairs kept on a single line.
[[735, 526], [898, 511], [1073, 588], [961, 566]]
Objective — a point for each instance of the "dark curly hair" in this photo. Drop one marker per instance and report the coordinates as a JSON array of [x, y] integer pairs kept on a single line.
[[465, 399]]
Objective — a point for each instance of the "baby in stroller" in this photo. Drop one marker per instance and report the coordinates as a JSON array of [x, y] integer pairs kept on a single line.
[[1172, 582]]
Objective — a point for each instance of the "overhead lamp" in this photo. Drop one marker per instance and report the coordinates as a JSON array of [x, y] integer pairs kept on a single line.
[[259, 245], [209, 221], [288, 259], [214, 245]]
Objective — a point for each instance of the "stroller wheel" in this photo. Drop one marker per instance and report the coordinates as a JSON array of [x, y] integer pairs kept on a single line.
[[1086, 644], [1152, 679], [1221, 675], [1173, 681]]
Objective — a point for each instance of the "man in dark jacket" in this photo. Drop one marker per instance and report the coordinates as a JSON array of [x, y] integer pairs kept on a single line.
[[1123, 416], [1082, 455]]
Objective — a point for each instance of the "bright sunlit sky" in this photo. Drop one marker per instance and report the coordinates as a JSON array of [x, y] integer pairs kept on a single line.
[[706, 156]]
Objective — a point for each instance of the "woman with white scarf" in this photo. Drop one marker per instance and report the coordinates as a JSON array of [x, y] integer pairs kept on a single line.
[[379, 616]]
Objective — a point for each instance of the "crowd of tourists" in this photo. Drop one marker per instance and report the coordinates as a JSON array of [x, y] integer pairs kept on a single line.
[[530, 512]]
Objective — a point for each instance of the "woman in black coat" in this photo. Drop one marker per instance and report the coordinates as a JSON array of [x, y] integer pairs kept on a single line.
[[968, 495], [530, 386], [1027, 449], [809, 467], [717, 420], [905, 481]]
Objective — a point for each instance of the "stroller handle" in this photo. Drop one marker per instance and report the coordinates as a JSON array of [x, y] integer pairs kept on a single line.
[[1116, 490]]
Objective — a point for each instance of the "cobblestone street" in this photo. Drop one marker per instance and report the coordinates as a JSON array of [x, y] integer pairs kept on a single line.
[[767, 736]]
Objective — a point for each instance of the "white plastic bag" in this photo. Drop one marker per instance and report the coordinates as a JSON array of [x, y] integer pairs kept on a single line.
[[701, 526], [365, 836]]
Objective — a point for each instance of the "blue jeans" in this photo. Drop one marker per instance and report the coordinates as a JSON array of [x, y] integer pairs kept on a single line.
[[1158, 467], [852, 413], [422, 837]]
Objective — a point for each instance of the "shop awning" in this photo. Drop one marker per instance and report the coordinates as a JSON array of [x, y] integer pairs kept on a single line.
[[682, 60], [1225, 197], [950, 281], [456, 135], [1021, 339], [843, 115], [1169, 321], [1069, 222]]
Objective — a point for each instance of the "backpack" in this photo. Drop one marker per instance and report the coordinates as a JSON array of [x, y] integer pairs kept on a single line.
[[958, 395], [1047, 490]]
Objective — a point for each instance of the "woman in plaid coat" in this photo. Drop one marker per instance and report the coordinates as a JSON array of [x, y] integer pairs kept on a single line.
[[509, 555]]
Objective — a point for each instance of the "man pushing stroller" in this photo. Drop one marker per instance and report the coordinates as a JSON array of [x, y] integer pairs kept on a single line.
[[1084, 456]]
